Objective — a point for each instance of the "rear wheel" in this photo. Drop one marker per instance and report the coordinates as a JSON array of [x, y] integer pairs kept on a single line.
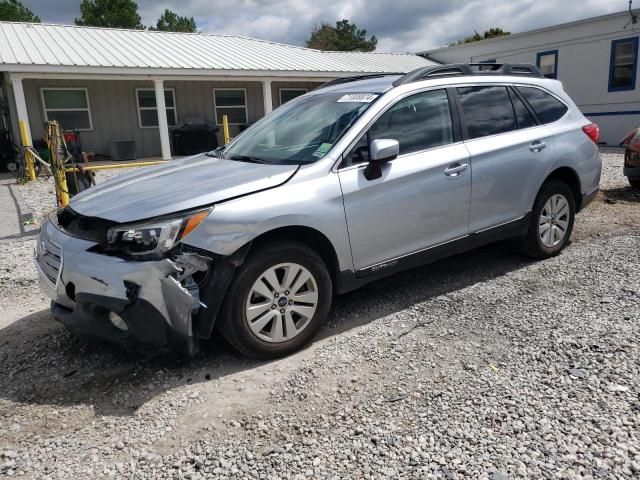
[[279, 298], [552, 220]]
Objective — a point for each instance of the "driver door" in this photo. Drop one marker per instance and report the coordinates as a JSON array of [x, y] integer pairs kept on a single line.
[[422, 198]]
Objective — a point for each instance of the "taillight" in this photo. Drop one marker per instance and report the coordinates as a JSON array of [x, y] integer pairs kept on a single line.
[[592, 131]]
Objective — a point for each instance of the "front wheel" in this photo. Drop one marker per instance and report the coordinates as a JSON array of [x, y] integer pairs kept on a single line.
[[279, 298], [552, 220]]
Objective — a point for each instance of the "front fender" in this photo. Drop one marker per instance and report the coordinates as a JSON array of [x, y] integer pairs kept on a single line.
[[314, 202]]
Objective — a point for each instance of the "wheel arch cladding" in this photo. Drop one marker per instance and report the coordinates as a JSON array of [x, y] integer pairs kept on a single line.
[[308, 236], [568, 176]]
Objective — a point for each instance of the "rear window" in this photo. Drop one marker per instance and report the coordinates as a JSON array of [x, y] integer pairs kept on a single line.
[[548, 108], [487, 110], [525, 119]]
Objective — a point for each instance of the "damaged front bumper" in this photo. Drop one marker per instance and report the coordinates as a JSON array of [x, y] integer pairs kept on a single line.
[[155, 300]]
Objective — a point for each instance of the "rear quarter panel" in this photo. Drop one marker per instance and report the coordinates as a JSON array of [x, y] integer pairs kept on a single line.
[[574, 149]]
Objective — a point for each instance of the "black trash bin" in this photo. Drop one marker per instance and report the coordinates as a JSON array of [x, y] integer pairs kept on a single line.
[[194, 137]]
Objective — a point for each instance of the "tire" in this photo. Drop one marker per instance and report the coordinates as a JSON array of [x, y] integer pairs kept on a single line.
[[250, 322], [538, 242], [635, 183]]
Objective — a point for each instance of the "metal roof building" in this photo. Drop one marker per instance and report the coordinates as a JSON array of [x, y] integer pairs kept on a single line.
[[596, 59], [87, 77]]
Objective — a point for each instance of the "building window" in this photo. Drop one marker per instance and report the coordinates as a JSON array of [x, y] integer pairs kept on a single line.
[[547, 62], [231, 102], [623, 64], [148, 110], [287, 94], [68, 106]]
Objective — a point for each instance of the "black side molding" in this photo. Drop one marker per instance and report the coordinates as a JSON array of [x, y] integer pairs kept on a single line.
[[349, 280]]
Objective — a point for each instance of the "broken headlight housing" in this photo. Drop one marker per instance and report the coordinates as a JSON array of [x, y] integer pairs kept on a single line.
[[154, 237]]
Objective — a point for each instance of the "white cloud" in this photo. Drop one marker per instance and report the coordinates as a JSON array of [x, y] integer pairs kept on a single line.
[[400, 25]]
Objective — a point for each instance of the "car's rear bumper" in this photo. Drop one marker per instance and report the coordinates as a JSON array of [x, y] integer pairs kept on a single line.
[[631, 166], [631, 172], [86, 286], [587, 198]]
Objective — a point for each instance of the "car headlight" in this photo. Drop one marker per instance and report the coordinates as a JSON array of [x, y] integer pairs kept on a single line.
[[154, 237]]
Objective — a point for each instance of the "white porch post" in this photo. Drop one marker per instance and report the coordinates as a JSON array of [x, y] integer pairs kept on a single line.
[[163, 126], [21, 104], [266, 94]]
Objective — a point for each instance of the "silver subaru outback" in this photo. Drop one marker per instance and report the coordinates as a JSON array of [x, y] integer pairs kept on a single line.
[[354, 181]]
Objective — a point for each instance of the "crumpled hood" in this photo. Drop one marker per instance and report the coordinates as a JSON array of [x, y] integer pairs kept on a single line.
[[177, 185]]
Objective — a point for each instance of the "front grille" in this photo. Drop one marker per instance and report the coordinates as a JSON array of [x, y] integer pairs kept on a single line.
[[49, 259]]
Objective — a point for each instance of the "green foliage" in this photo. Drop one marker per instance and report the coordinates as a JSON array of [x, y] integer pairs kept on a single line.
[[110, 13], [495, 32], [15, 11], [172, 22], [345, 37], [491, 33]]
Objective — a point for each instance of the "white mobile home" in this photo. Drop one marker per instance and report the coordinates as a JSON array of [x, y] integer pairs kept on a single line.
[[111, 84], [596, 59]]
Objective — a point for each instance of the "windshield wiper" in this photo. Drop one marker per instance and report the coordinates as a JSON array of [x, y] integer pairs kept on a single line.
[[247, 158], [216, 152]]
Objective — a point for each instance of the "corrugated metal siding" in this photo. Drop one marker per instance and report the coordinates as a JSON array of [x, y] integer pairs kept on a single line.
[[71, 46], [114, 109]]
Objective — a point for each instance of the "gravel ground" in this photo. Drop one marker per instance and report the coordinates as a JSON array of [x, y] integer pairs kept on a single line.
[[482, 366], [40, 196]]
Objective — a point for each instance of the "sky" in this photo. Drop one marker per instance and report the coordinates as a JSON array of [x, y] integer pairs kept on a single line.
[[399, 25]]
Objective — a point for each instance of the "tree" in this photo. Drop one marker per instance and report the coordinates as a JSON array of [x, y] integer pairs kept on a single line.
[[171, 22], [345, 37], [475, 37], [15, 11], [495, 32], [110, 13]]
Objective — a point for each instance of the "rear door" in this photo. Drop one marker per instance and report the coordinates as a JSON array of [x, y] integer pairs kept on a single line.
[[510, 153], [422, 196]]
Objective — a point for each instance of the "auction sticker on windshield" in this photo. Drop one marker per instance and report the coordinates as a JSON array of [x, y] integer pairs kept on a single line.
[[358, 97], [322, 149]]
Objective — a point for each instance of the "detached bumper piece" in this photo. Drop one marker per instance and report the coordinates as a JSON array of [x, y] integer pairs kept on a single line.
[[141, 326], [139, 305], [146, 327]]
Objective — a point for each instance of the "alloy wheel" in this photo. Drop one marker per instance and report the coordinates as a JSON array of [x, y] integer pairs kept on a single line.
[[554, 220], [281, 302]]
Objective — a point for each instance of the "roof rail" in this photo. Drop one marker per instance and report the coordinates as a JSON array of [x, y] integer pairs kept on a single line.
[[460, 69], [338, 81]]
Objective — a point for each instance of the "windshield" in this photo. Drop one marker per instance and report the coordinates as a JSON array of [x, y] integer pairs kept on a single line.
[[301, 131]]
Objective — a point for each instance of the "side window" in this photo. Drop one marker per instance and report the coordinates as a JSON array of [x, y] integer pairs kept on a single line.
[[523, 116], [418, 122], [548, 108], [487, 110]]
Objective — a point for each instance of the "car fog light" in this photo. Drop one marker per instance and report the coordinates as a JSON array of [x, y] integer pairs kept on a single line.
[[118, 322]]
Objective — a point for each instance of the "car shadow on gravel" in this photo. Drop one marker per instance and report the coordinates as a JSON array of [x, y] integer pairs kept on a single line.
[[398, 292], [621, 194], [43, 364]]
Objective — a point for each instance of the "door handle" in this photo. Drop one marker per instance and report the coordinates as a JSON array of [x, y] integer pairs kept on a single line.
[[456, 169], [537, 146]]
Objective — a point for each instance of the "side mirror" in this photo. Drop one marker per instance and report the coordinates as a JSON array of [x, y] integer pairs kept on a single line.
[[384, 149], [381, 150]]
